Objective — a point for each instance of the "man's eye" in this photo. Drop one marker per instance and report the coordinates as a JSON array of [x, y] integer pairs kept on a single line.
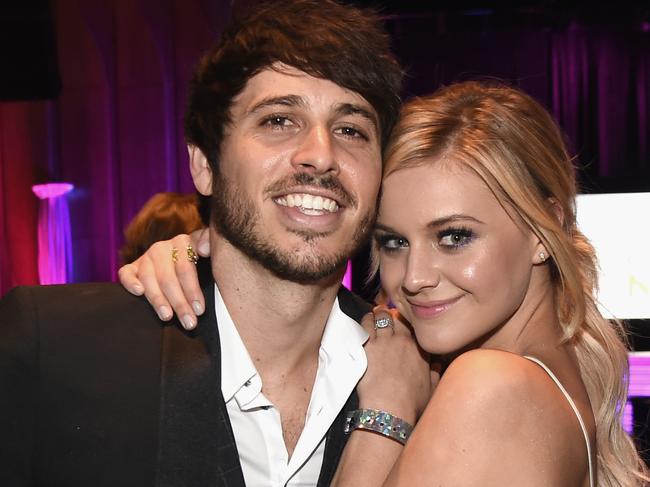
[[455, 237], [390, 243], [351, 132], [278, 121]]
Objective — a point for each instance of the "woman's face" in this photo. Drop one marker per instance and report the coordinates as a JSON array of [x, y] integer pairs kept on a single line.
[[452, 260]]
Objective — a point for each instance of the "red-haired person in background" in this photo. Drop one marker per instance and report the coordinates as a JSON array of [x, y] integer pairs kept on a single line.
[[163, 216]]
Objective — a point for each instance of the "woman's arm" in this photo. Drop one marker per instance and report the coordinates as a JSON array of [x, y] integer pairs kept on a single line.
[[399, 381], [495, 419]]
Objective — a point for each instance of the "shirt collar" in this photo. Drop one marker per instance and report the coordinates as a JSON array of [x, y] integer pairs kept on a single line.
[[342, 336], [237, 369]]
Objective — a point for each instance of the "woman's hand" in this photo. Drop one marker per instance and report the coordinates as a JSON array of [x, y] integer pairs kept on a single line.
[[399, 378], [167, 284]]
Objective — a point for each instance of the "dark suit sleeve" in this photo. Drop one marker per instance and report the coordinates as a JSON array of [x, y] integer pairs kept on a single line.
[[18, 387]]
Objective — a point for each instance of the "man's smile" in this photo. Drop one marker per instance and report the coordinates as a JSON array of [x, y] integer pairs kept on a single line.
[[308, 203]]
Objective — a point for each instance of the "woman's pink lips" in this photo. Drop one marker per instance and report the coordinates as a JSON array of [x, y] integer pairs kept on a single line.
[[432, 309]]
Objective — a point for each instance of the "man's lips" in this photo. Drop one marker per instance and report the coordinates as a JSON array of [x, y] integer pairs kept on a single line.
[[327, 187], [431, 309]]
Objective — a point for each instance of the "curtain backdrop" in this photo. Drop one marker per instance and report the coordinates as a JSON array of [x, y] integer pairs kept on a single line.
[[115, 132]]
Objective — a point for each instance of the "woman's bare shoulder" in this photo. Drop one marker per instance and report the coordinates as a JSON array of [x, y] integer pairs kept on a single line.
[[494, 415]]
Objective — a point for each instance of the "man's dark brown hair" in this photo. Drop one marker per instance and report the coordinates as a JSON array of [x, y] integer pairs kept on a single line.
[[327, 40]]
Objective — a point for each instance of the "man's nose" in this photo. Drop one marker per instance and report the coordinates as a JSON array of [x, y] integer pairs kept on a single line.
[[316, 152]]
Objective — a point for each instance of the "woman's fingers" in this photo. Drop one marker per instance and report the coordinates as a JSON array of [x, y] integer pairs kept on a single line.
[[382, 322], [398, 377], [175, 278], [128, 276], [166, 274], [185, 271]]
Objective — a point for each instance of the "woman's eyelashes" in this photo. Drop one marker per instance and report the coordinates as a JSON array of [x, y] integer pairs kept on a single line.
[[454, 238], [389, 242], [446, 239]]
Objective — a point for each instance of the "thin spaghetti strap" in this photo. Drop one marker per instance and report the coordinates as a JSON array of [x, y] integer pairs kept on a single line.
[[575, 410]]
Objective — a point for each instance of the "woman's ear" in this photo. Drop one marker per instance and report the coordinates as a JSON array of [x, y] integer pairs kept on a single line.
[[540, 255], [200, 170]]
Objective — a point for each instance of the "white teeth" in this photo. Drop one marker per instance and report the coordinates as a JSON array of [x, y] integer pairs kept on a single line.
[[318, 203], [306, 201]]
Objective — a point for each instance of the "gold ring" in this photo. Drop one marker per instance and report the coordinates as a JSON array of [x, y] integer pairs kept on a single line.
[[192, 256], [174, 255]]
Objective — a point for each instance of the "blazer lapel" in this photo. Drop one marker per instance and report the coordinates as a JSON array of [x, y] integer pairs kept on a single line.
[[196, 443], [355, 308]]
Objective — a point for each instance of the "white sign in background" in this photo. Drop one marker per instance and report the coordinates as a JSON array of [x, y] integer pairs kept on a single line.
[[618, 225]]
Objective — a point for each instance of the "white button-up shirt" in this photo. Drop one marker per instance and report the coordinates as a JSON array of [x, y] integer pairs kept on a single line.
[[256, 422]]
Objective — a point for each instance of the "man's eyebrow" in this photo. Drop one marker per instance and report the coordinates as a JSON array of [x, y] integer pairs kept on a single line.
[[353, 109], [286, 100]]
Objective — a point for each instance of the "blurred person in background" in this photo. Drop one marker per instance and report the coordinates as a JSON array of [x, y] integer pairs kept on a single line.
[[163, 216]]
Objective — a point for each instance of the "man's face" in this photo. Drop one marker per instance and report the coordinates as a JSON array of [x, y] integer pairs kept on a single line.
[[299, 173]]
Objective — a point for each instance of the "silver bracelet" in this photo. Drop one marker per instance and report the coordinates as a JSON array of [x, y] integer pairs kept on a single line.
[[379, 422]]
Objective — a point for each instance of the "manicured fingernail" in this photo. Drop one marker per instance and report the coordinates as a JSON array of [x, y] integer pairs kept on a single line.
[[198, 307], [164, 313], [137, 289], [204, 248], [188, 322]]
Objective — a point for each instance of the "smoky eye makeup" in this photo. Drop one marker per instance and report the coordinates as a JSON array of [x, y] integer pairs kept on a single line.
[[389, 242], [455, 237]]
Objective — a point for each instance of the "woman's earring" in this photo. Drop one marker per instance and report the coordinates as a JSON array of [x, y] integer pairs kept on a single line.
[[542, 256]]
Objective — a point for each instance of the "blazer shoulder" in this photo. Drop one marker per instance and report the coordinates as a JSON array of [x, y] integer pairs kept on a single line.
[[84, 291], [352, 305], [72, 301]]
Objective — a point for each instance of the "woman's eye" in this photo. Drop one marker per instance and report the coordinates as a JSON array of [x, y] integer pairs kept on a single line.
[[391, 242], [455, 237]]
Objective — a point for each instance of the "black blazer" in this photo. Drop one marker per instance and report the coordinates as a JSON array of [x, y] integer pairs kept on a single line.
[[95, 392]]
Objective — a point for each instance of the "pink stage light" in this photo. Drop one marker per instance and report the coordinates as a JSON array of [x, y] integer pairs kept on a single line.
[[51, 190], [628, 418], [54, 241], [639, 374], [639, 385], [347, 279]]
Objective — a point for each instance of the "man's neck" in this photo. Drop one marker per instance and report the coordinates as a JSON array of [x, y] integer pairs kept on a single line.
[[280, 322]]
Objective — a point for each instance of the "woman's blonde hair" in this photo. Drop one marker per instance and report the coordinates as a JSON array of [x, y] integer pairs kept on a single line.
[[514, 145]]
